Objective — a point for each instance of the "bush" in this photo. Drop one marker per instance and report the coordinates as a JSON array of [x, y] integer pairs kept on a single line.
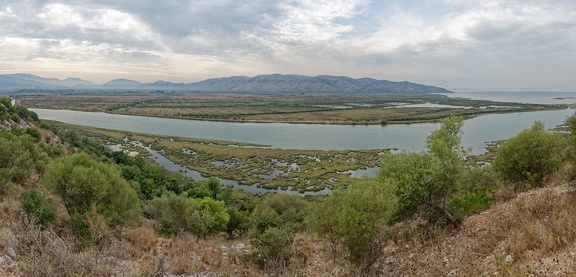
[[238, 223], [426, 181], [217, 210], [35, 134], [178, 213], [274, 247], [174, 213], [92, 189], [36, 209], [276, 217], [530, 156], [354, 216], [280, 210], [16, 161], [470, 203]]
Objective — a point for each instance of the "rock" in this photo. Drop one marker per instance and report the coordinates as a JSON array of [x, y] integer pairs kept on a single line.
[[239, 247], [508, 259], [10, 252], [9, 267]]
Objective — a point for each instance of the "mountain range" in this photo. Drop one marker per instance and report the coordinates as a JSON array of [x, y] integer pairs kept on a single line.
[[275, 83]]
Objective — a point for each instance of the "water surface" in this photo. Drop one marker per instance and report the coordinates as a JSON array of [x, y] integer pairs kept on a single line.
[[477, 131]]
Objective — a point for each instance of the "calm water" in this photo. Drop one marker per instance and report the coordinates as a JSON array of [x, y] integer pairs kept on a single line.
[[531, 97], [477, 131]]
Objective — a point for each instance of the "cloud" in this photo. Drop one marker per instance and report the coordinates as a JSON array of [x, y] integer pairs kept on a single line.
[[441, 42]]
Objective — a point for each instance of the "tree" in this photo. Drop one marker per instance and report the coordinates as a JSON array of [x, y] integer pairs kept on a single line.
[[353, 217], [92, 190], [217, 210], [426, 181], [530, 156]]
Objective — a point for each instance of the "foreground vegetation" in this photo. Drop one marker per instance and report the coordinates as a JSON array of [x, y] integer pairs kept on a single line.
[[298, 108], [71, 207]]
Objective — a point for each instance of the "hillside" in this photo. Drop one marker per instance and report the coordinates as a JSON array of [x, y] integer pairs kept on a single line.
[[73, 207], [528, 235], [275, 83]]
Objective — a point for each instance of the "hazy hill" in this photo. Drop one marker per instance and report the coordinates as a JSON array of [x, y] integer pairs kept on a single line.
[[122, 83], [275, 83], [8, 83], [278, 83], [40, 81]]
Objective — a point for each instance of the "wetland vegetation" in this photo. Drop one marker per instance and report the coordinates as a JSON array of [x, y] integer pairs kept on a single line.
[[319, 108], [250, 164]]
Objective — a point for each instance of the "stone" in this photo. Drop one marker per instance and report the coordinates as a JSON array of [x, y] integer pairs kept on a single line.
[[10, 252], [508, 259]]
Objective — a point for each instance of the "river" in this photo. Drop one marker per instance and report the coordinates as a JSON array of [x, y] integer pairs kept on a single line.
[[477, 131]]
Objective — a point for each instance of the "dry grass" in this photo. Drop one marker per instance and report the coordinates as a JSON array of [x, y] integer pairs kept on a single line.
[[533, 234], [514, 238]]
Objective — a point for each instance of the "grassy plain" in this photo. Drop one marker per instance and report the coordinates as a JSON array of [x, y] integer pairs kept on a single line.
[[302, 170], [293, 108]]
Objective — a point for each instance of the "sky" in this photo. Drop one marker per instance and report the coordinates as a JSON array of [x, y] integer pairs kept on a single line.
[[455, 44]]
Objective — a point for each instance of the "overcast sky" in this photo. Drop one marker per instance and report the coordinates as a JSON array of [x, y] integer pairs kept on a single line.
[[456, 44]]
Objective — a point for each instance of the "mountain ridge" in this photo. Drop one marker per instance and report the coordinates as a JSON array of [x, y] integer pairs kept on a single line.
[[270, 83]]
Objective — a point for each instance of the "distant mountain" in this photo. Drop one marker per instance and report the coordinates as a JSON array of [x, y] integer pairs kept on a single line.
[[274, 83], [76, 82], [278, 83], [122, 83], [68, 82], [12, 84]]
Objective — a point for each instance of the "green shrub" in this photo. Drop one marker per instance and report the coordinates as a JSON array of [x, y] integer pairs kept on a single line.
[[470, 203], [280, 210], [175, 213], [34, 133], [238, 224], [92, 189], [426, 181], [16, 161], [274, 247], [36, 209], [276, 217], [217, 210], [16, 118], [530, 156], [354, 216]]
